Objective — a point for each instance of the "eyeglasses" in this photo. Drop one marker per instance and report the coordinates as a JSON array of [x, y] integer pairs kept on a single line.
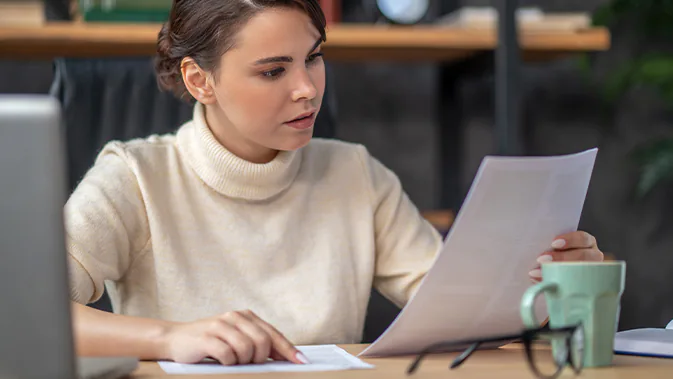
[[567, 349]]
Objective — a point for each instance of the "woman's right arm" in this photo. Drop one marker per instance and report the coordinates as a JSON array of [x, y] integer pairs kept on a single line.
[[100, 333], [106, 226], [233, 338]]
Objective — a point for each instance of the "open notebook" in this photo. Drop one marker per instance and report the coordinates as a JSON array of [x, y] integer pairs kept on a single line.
[[654, 342]]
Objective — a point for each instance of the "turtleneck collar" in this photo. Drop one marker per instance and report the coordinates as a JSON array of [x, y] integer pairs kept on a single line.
[[228, 174]]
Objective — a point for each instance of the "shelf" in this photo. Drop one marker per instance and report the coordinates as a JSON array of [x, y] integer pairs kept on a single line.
[[345, 42]]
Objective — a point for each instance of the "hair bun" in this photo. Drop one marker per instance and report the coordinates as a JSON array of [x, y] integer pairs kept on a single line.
[[167, 65], [164, 42]]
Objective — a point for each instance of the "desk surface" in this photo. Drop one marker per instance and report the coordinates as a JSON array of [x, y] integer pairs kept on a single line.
[[346, 42], [506, 363]]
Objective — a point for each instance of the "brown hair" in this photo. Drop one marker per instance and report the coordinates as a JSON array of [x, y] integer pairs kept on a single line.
[[205, 29]]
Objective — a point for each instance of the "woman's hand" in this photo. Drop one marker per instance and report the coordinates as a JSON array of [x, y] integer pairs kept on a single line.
[[575, 246], [238, 337]]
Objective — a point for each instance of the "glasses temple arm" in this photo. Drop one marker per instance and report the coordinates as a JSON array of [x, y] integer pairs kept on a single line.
[[466, 354]]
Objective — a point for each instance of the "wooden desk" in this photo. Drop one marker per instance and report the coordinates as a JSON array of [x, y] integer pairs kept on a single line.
[[344, 43], [506, 363]]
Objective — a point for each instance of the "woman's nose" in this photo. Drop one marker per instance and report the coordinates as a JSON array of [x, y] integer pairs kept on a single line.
[[304, 87]]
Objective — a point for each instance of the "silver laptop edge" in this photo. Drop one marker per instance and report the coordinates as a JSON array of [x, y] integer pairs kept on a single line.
[[35, 319]]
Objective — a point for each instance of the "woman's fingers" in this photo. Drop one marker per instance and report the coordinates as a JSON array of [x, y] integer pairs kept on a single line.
[[574, 240], [261, 340], [535, 274], [281, 348], [586, 255], [220, 351], [253, 340], [240, 343], [594, 255]]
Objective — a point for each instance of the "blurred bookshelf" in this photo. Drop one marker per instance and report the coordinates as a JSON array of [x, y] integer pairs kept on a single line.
[[346, 42], [158, 10], [105, 28]]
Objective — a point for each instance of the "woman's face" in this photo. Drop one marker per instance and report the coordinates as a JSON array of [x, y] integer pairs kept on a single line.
[[269, 85]]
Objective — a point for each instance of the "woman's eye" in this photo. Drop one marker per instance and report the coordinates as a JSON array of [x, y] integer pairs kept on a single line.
[[277, 72], [313, 57], [273, 73]]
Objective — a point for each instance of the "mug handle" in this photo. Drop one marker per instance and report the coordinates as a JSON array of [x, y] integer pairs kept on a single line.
[[528, 300]]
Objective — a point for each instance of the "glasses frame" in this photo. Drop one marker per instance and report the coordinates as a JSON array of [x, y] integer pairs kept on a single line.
[[527, 337]]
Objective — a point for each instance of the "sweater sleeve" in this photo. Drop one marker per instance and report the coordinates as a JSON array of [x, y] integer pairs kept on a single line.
[[105, 225], [406, 243]]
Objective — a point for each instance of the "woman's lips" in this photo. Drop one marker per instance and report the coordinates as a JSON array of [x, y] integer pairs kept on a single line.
[[303, 122]]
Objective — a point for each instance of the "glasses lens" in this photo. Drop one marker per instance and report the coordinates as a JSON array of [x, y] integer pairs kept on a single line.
[[577, 349], [546, 353]]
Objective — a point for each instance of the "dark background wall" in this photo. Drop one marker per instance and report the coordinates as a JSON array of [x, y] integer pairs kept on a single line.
[[391, 108]]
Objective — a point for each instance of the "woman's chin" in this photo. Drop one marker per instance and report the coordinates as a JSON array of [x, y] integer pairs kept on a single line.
[[297, 142]]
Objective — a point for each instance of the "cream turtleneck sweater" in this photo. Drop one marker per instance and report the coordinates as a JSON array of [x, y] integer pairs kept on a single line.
[[178, 228]]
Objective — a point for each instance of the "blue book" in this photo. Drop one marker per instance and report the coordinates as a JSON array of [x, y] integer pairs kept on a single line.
[[648, 342]]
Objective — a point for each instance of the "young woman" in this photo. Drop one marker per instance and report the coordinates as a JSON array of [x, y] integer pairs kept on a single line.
[[240, 236]]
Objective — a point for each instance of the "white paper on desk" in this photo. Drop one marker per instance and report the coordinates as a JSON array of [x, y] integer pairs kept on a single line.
[[321, 358], [513, 211]]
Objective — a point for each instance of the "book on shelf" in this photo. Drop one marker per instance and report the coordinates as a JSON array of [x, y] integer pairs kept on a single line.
[[332, 10], [528, 18], [124, 10]]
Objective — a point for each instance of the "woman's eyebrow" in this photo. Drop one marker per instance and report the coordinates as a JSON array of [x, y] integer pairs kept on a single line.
[[273, 60], [283, 59], [315, 45]]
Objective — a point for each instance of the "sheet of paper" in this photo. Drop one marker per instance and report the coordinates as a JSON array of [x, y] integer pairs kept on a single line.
[[322, 358], [513, 211]]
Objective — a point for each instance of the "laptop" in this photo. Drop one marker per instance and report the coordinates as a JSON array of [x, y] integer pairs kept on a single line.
[[36, 336]]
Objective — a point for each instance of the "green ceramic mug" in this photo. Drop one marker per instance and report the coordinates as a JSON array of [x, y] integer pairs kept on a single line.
[[581, 292]]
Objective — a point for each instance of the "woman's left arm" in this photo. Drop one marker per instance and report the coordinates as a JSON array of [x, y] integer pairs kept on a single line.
[[406, 244]]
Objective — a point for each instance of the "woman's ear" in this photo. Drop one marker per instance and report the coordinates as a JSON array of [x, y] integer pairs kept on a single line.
[[197, 81]]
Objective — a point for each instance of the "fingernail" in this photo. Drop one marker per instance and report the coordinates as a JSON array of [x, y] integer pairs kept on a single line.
[[544, 258], [558, 244], [535, 273], [302, 358]]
